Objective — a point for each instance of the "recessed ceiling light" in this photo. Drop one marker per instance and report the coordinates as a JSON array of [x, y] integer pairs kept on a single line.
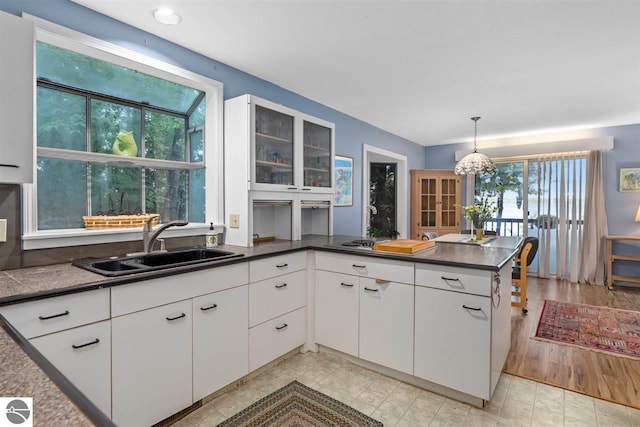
[[166, 16]]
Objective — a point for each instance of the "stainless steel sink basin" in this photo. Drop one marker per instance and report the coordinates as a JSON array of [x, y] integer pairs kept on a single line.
[[153, 261]]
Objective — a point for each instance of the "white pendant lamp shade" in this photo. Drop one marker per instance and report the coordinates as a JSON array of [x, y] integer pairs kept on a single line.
[[475, 163]]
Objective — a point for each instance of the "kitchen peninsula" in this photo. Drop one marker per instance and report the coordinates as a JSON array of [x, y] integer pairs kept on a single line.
[[473, 279]]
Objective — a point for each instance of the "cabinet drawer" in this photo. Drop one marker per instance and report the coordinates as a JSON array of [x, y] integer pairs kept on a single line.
[[376, 268], [49, 315], [83, 355], [277, 266], [165, 290], [457, 279], [276, 337], [275, 296]]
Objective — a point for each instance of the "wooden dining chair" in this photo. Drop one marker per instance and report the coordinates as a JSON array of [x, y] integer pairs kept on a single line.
[[522, 260]]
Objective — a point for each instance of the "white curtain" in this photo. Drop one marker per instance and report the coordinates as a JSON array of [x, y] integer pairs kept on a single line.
[[559, 185], [593, 253]]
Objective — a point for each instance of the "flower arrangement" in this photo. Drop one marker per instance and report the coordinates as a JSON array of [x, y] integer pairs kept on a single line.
[[480, 212]]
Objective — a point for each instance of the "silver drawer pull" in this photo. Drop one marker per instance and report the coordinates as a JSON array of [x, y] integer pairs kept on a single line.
[[65, 313], [177, 317], [370, 290], [450, 279], [282, 265], [346, 285], [284, 285], [284, 325], [471, 308], [209, 308], [96, 341]]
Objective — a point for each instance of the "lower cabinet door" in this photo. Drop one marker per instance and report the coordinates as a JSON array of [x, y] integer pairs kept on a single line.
[[151, 364], [272, 339], [83, 355], [337, 311], [220, 340], [453, 340], [386, 323]]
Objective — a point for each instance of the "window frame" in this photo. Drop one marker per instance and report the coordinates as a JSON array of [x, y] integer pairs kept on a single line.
[[65, 38]]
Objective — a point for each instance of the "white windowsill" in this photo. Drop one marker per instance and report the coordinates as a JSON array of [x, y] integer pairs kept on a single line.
[[81, 236]]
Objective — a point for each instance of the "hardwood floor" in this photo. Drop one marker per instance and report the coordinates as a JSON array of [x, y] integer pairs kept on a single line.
[[596, 374]]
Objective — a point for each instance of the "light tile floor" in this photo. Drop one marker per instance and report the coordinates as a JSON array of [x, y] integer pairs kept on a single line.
[[516, 401]]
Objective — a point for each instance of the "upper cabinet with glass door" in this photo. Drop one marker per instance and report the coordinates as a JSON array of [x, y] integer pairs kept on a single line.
[[287, 150], [274, 151], [317, 150]]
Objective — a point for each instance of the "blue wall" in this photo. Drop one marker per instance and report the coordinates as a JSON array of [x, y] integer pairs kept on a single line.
[[351, 133]]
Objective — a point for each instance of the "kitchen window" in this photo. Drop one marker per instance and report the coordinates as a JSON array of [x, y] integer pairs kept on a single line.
[[119, 133]]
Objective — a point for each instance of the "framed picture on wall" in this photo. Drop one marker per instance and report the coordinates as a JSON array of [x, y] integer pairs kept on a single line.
[[343, 179], [629, 179]]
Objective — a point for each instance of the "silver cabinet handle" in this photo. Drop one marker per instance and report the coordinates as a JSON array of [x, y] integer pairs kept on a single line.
[[284, 285], [358, 266], [370, 290], [282, 265], [177, 317], [471, 308], [284, 325], [212, 306], [346, 285]]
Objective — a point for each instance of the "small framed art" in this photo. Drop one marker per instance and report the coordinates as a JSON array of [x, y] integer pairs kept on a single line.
[[629, 179], [343, 179]]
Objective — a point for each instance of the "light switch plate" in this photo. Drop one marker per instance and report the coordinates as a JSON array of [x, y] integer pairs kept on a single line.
[[3, 230], [234, 221]]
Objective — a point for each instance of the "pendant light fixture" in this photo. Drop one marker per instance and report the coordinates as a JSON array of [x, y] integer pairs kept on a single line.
[[475, 163]]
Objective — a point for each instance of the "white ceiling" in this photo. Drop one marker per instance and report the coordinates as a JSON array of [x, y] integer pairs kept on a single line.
[[421, 69]]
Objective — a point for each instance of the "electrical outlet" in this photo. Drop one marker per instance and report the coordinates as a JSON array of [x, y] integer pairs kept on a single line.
[[3, 230], [234, 221]]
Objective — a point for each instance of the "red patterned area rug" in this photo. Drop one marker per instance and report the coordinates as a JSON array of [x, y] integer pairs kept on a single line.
[[604, 329], [296, 405]]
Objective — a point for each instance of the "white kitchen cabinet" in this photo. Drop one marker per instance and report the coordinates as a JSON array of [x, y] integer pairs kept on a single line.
[[151, 364], [278, 154], [48, 315], [386, 323], [453, 340], [83, 355], [272, 297], [17, 92], [277, 265], [220, 340], [286, 150], [462, 327], [337, 305], [276, 337], [373, 319], [363, 266]]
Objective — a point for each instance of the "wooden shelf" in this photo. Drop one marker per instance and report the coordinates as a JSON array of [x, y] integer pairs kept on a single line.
[[611, 258]]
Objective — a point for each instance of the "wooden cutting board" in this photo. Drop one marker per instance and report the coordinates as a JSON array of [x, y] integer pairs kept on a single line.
[[404, 246]]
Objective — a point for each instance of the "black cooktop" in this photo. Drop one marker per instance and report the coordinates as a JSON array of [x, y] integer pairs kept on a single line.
[[360, 243]]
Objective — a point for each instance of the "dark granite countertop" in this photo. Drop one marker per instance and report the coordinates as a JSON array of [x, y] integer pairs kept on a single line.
[[23, 368]]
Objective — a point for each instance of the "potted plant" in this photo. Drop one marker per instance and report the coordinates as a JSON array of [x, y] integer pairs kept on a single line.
[[479, 214]]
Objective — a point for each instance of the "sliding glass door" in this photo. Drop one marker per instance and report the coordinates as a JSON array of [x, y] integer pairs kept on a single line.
[[541, 197]]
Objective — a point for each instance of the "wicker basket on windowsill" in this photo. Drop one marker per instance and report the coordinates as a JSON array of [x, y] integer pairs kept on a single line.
[[97, 222]]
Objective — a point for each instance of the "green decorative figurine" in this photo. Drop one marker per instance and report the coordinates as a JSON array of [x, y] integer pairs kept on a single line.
[[125, 145]]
